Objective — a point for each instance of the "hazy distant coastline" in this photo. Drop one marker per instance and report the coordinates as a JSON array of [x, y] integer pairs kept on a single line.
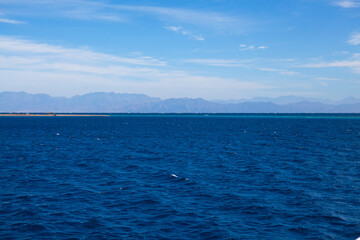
[[50, 115], [16, 102]]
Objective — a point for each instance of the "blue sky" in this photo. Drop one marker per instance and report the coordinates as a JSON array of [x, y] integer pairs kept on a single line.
[[214, 49]]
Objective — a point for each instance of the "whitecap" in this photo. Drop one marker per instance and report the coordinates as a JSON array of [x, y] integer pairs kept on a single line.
[[174, 175]]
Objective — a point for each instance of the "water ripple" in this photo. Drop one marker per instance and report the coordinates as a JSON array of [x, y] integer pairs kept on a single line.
[[179, 178]]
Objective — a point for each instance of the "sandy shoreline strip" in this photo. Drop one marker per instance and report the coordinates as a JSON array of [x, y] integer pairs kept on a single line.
[[50, 115]]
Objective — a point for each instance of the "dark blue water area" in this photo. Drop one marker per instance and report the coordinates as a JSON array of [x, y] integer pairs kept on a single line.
[[139, 177]]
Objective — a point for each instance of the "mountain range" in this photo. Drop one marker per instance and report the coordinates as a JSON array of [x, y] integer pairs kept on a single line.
[[102, 102]]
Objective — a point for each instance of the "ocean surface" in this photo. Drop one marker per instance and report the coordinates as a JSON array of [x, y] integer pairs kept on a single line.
[[180, 177]]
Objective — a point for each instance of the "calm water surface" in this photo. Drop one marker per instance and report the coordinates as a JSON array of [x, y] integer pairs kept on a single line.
[[137, 177]]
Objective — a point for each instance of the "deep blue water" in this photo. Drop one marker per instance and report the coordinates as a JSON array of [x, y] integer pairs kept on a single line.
[[163, 177]]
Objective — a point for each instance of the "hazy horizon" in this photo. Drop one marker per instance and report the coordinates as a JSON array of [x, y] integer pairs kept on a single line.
[[215, 99], [140, 103]]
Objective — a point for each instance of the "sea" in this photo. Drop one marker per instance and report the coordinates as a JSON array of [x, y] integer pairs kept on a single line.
[[161, 176]]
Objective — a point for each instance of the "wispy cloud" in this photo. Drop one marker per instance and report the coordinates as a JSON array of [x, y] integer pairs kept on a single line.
[[75, 9], [277, 70], [244, 47], [16, 45], [354, 39], [348, 3], [5, 20], [327, 79], [219, 62], [352, 64], [182, 31], [58, 70], [99, 10], [194, 17], [248, 64], [344, 63]]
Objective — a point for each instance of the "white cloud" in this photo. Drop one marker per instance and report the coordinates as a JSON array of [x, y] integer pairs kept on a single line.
[[39, 67], [348, 3], [194, 17], [75, 9], [244, 47], [354, 39], [184, 32], [199, 38], [327, 79], [5, 20], [218, 62], [99, 10], [173, 28], [177, 84], [344, 63], [248, 64], [20, 46], [352, 64], [281, 71]]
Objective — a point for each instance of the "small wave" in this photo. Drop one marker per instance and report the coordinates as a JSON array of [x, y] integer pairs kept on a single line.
[[92, 223]]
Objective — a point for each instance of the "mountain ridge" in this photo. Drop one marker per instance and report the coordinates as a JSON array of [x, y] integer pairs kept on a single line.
[[141, 103]]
